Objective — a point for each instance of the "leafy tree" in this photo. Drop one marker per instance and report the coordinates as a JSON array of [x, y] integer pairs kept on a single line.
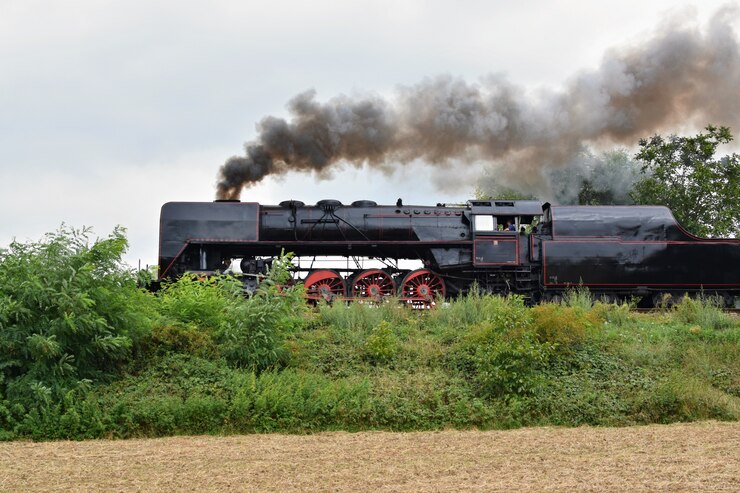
[[591, 179], [70, 312], [683, 174], [603, 179], [501, 192]]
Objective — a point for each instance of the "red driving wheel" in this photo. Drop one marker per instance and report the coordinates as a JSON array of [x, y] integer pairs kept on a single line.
[[373, 284], [324, 285], [422, 287]]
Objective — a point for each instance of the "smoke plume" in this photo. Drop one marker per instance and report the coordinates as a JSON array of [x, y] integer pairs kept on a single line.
[[683, 75]]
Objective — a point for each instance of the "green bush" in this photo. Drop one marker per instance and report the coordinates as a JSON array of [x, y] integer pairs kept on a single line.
[[69, 311], [682, 397], [382, 344], [202, 301], [84, 354], [510, 366], [560, 325], [704, 311], [501, 355], [579, 298], [617, 314], [254, 333], [189, 339]]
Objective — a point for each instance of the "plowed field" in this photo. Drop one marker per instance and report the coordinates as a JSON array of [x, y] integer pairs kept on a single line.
[[682, 457]]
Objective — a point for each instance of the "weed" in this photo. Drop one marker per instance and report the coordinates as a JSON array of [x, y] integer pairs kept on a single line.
[[703, 311], [382, 344]]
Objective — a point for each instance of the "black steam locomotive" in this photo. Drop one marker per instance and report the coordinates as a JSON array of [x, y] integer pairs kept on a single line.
[[505, 246]]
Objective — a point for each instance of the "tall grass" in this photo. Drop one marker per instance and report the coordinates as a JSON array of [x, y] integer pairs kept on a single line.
[[703, 311]]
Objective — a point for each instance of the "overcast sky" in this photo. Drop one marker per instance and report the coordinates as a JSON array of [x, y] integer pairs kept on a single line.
[[109, 109]]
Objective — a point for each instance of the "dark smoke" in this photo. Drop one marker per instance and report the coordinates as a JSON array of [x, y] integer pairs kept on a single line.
[[682, 76]]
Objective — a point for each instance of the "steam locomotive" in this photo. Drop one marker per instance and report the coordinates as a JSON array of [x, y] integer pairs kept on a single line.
[[503, 246]]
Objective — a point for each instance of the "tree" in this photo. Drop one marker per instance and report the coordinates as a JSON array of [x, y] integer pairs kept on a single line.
[[682, 173], [588, 179], [591, 179], [501, 192]]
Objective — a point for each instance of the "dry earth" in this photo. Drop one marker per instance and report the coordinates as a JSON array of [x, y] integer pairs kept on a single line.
[[682, 457]]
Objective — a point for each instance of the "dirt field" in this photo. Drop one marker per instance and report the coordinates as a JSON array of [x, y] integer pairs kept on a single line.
[[683, 457]]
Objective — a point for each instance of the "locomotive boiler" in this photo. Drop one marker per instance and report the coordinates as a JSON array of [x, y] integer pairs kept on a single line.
[[503, 246]]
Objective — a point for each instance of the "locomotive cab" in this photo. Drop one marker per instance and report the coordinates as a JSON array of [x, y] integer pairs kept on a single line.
[[492, 217], [496, 230]]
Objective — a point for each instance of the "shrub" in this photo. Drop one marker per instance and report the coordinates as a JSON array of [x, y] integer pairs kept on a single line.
[[202, 301], [685, 398], [424, 400], [453, 320], [579, 297], [501, 355], [559, 324], [617, 314], [382, 344], [704, 311], [189, 339], [69, 310], [510, 366], [254, 333]]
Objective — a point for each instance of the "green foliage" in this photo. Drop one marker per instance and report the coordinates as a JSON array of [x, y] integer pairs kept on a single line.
[[682, 397], [254, 333], [475, 307], [500, 353], [562, 326], [188, 339], [382, 344], [683, 174], [604, 179], [579, 297], [359, 318], [69, 311], [507, 366], [210, 316], [203, 358], [617, 314], [705, 312], [203, 301], [501, 192]]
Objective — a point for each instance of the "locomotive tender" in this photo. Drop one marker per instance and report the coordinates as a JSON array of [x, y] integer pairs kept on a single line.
[[505, 246]]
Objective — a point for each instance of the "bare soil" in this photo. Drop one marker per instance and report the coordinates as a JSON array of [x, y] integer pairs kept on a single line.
[[681, 457]]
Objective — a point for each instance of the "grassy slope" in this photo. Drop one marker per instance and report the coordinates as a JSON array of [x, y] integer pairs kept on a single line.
[[481, 362]]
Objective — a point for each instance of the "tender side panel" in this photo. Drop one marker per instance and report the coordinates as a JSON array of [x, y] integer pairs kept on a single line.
[[499, 251], [614, 263]]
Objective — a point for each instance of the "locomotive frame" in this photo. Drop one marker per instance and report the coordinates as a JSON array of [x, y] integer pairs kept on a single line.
[[617, 252]]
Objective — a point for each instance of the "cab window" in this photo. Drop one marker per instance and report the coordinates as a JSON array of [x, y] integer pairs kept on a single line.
[[484, 223]]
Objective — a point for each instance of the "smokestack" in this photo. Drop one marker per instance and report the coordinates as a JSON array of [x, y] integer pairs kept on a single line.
[[682, 76]]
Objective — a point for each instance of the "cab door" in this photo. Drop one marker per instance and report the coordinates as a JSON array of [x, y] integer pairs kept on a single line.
[[493, 247]]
